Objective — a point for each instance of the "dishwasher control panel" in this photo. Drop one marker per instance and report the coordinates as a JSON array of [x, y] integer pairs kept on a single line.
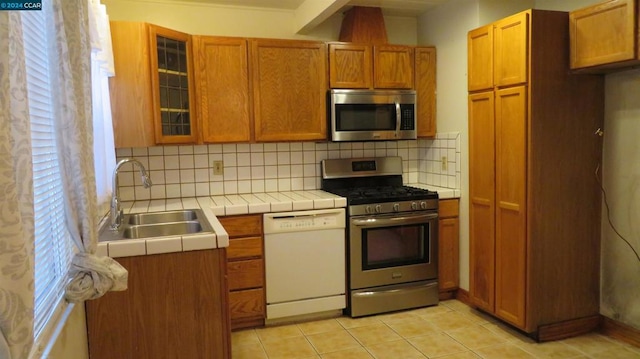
[[304, 220]]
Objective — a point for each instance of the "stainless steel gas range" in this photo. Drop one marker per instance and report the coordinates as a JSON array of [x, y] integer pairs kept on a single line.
[[392, 234]]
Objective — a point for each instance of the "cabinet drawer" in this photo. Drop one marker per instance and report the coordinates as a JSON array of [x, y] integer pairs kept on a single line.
[[242, 226], [246, 303], [245, 274], [448, 208], [242, 248]]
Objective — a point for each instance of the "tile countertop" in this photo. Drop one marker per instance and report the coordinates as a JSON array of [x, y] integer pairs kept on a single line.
[[228, 205]]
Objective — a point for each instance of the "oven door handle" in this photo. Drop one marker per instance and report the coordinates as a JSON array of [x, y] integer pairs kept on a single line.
[[386, 221]]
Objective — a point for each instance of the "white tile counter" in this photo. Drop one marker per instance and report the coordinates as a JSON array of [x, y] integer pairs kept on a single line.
[[213, 206]]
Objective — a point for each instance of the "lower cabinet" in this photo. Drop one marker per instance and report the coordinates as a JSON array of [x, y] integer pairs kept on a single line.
[[245, 269], [175, 307], [448, 247]]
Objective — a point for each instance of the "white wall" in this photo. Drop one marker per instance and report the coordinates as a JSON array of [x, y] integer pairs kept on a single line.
[[621, 169], [205, 19], [446, 27]]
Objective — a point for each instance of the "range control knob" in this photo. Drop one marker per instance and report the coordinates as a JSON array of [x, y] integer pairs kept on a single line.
[[367, 209], [378, 208], [423, 205], [396, 207], [414, 205]]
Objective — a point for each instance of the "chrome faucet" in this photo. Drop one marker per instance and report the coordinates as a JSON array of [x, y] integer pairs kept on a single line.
[[116, 211]]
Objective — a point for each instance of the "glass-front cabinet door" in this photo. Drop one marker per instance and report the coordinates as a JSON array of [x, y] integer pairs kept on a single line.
[[172, 84]]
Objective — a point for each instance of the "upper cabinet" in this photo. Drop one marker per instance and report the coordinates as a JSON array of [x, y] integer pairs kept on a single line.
[[350, 66], [222, 88], [498, 53], [152, 92], [425, 73], [604, 37], [354, 66], [289, 80]]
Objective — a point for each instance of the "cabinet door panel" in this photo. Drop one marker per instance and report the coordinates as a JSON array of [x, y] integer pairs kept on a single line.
[[482, 205], [392, 67], [222, 85], [289, 90], [350, 66], [511, 44], [243, 248], [603, 33], [173, 86], [246, 274], [130, 90], [246, 304], [242, 226], [425, 65], [511, 171], [157, 316], [448, 263], [480, 58]]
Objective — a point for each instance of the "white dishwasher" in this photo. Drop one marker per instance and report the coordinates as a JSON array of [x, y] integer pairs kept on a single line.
[[304, 262]]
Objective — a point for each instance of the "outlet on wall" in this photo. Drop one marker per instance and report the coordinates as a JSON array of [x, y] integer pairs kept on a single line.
[[444, 163], [218, 168]]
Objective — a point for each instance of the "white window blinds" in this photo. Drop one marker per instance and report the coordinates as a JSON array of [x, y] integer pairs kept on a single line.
[[53, 246]]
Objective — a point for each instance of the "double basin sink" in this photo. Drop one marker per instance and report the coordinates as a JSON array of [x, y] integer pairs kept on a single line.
[[158, 224]]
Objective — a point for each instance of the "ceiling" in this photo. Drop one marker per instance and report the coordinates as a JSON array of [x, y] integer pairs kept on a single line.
[[411, 8]]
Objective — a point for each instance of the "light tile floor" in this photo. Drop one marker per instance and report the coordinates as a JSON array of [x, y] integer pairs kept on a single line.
[[450, 330]]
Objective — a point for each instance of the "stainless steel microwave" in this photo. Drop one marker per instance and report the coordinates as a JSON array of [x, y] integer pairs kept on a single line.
[[372, 115]]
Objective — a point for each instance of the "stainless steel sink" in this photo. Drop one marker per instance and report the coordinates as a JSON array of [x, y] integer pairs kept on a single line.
[[164, 229], [158, 224], [161, 217]]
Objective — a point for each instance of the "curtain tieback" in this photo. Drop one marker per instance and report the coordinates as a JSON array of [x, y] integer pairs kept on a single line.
[[93, 276]]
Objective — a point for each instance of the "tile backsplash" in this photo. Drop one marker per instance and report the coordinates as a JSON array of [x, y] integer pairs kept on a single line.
[[188, 171]]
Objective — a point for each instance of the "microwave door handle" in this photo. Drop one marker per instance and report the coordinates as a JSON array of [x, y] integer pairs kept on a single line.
[[398, 118]]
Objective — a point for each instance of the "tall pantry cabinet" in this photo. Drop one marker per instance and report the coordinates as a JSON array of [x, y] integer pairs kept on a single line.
[[533, 154]]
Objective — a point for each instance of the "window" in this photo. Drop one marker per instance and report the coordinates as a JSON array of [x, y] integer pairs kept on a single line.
[[53, 245]]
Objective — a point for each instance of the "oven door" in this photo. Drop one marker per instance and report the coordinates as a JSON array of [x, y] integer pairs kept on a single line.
[[392, 249]]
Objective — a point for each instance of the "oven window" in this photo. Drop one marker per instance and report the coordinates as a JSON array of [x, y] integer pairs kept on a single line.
[[395, 246], [365, 117]]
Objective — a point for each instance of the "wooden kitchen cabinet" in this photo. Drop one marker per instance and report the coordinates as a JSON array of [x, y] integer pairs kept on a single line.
[[425, 85], [222, 88], [392, 67], [534, 202], [175, 307], [152, 98], [350, 66], [354, 66], [245, 266], [289, 80], [480, 58], [604, 36], [448, 247]]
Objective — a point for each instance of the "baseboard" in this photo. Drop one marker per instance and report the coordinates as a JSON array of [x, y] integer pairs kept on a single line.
[[569, 328], [620, 331], [463, 296], [446, 295]]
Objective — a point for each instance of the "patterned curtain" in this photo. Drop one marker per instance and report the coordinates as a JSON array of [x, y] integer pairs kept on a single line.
[[16, 195], [92, 276]]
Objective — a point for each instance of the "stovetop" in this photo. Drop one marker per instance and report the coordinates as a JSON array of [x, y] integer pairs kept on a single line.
[[382, 194]]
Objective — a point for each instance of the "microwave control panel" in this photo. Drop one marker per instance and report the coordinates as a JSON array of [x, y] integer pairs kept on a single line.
[[407, 121]]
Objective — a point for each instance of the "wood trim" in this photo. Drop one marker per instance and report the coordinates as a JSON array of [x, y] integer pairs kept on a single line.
[[567, 329], [620, 331], [463, 296]]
